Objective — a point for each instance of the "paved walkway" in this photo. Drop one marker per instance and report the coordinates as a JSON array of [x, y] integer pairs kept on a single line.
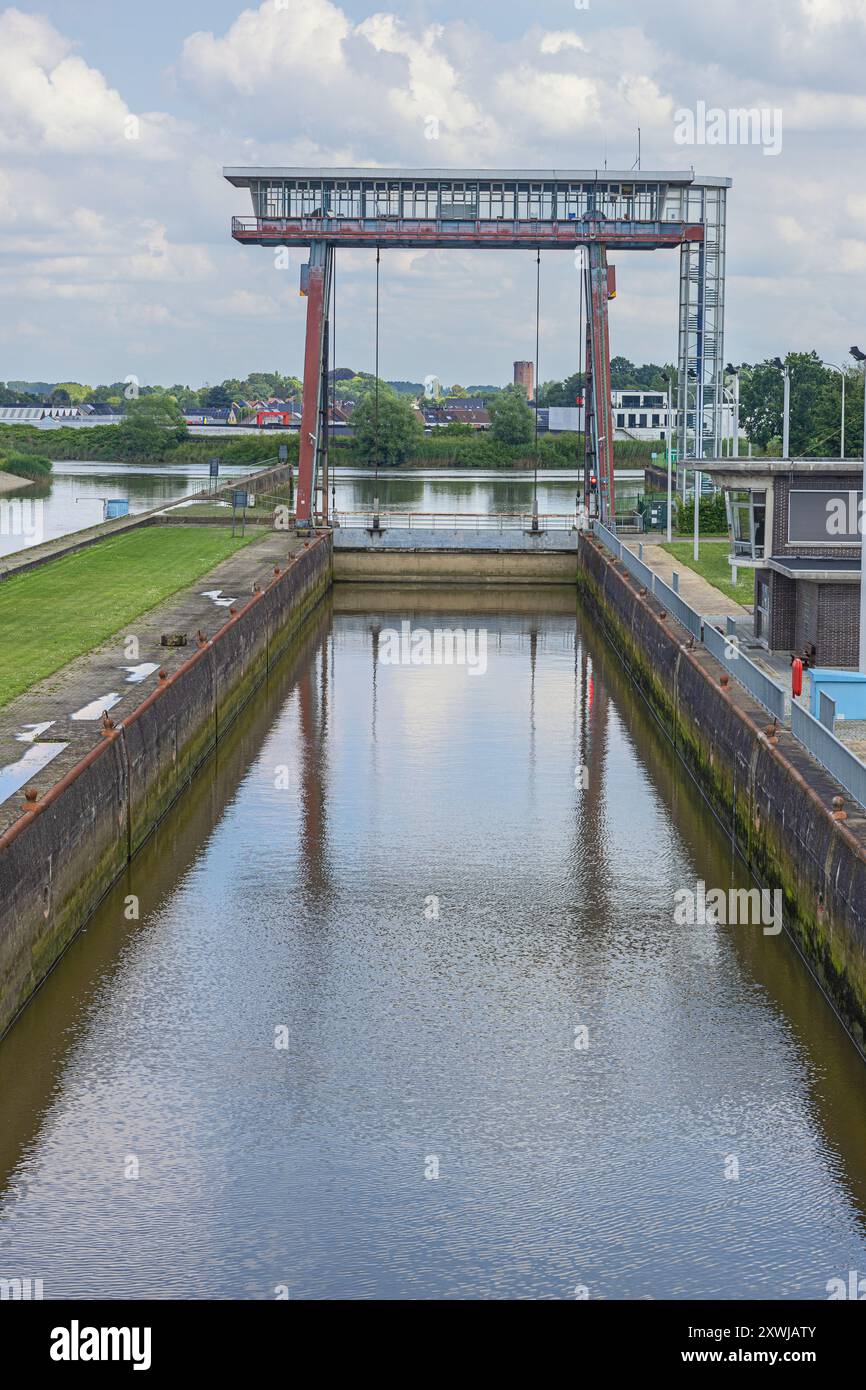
[[712, 603], [45, 730], [694, 590]]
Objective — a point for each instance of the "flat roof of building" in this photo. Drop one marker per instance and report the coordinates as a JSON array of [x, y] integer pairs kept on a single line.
[[760, 467], [243, 176], [816, 567]]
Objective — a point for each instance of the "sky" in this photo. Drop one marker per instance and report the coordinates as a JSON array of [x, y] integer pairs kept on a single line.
[[117, 118]]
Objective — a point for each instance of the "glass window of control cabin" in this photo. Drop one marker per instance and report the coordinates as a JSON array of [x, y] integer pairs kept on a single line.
[[741, 523], [748, 520], [759, 517]]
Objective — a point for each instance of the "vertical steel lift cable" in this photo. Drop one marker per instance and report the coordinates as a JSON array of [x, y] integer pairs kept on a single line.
[[537, 378], [333, 377], [376, 470]]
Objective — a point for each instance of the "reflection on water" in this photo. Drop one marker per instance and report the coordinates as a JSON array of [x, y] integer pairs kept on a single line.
[[467, 491], [73, 499], [366, 943]]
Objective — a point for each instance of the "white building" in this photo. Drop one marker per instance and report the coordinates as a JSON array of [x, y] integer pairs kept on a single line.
[[644, 415], [31, 415]]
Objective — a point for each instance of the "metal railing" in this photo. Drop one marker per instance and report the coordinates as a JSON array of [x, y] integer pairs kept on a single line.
[[838, 760], [456, 521], [723, 648], [690, 619], [824, 746], [726, 649]]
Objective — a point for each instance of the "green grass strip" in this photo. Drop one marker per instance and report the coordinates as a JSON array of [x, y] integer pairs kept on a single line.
[[50, 615], [713, 566]]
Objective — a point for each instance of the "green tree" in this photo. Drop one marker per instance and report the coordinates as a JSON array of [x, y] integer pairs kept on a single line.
[[761, 396], [150, 425], [75, 391], [217, 397], [562, 392], [389, 433], [812, 393], [511, 420], [826, 417]]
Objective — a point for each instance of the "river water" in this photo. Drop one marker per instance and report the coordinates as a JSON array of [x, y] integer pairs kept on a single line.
[[340, 1053], [74, 497]]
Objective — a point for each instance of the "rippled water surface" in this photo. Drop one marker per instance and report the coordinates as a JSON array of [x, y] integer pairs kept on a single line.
[[74, 496], [292, 899]]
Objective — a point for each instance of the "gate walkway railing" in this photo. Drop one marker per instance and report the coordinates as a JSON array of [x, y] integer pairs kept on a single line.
[[456, 521]]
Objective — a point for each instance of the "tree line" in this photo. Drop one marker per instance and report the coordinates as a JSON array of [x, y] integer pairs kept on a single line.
[[815, 419]]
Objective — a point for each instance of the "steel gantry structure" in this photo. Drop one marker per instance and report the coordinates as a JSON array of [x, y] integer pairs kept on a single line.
[[551, 209]]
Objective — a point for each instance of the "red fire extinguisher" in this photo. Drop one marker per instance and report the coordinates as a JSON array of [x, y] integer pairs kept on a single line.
[[796, 677]]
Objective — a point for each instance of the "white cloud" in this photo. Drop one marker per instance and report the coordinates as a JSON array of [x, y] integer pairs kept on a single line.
[[266, 44], [557, 40], [99, 251], [51, 101], [557, 103]]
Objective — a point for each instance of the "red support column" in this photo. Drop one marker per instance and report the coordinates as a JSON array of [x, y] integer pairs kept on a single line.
[[589, 460], [316, 284], [600, 418]]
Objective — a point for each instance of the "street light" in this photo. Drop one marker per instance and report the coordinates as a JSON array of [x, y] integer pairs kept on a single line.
[[699, 449], [786, 413], [735, 373], [665, 376], [861, 357], [841, 371]]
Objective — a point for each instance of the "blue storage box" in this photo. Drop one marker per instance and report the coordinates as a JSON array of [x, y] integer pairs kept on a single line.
[[847, 688]]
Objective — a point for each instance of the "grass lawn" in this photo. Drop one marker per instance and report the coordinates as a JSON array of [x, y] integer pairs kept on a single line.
[[713, 566], [52, 614]]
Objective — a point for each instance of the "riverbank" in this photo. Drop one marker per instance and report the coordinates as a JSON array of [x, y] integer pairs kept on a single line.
[[779, 805], [9, 483], [115, 444]]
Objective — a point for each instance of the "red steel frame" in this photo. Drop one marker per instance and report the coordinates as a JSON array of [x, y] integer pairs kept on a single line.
[[598, 415], [316, 281], [316, 284]]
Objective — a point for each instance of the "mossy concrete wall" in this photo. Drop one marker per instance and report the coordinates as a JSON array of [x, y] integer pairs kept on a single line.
[[771, 795], [59, 859], [454, 566]]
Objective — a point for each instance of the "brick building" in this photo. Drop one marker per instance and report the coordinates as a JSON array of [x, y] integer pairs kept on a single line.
[[796, 522]]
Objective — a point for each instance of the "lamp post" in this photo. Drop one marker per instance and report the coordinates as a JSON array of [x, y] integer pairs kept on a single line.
[[841, 371], [699, 453], [861, 664], [667, 378], [735, 373], [786, 409]]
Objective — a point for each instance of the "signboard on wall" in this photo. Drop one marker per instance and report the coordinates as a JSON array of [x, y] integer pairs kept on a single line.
[[824, 516]]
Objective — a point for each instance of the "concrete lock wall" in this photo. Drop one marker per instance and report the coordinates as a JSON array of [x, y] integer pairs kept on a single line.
[[429, 555], [58, 860], [774, 799]]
